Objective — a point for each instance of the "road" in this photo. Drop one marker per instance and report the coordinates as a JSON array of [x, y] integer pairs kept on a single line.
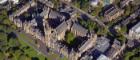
[[42, 48], [93, 18]]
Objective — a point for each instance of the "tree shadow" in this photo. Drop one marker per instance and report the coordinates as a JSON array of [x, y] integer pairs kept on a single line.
[[54, 22], [34, 58], [11, 35], [78, 41]]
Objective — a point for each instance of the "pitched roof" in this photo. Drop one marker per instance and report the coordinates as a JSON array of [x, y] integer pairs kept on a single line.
[[136, 28], [54, 14], [62, 27], [79, 29], [111, 11]]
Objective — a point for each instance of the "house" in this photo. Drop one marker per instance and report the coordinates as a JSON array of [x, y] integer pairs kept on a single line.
[[79, 30], [112, 13], [134, 32]]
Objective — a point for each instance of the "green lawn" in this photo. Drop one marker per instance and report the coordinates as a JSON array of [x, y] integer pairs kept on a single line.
[[69, 37]]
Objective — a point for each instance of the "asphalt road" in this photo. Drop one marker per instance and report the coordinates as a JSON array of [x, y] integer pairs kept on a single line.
[[93, 18], [42, 48]]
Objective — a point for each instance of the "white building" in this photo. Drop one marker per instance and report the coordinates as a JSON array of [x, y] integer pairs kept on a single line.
[[134, 32]]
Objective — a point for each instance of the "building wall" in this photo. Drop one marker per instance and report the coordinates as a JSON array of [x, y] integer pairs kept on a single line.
[[119, 13], [134, 35]]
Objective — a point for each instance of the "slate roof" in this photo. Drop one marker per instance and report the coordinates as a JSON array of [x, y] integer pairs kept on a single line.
[[54, 14], [62, 27], [79, 29], [111, 52], [111, 11]]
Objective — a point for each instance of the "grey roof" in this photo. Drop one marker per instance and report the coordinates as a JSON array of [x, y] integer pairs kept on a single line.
[[111, 52], [88, 43], [136, 28], [103, 57], [102, 44], [130, 43], [111, 11], [117, 44], [62, 27], [54, 14], [79, 29], [33, 22], [44, 13]]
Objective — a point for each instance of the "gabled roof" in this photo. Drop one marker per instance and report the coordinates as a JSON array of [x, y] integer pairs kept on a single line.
[[62, 27], [79, 29], [54, 14], [111, 11]]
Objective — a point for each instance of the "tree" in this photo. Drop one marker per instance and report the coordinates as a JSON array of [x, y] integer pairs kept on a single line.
[[128, 55], [69, 37], [127, 11]]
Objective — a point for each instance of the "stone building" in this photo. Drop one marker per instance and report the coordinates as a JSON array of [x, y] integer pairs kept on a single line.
[[78, 30], [61, 29], [112, 13]]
